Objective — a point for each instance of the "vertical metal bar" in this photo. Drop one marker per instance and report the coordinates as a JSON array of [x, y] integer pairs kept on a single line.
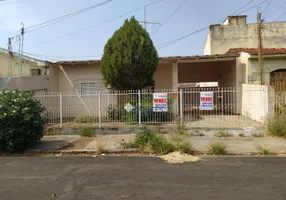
[[139, 107], [181, 106], [61, 110], [99, 108]]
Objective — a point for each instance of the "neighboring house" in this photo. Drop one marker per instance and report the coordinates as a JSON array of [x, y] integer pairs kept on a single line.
[[236, 33], [274, 62], [36, 74]]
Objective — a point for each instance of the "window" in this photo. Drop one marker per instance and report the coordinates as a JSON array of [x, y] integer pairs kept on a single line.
[[88, 86], [35, 72]]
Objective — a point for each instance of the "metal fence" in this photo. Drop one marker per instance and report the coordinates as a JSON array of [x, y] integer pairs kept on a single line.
[[194, 107]]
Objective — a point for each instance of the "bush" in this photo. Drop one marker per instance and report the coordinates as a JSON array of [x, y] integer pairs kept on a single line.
[[86, 119], [266, 152], [217, 148], [116, 113], [241, 135], [21, 123], [147, 139], [258, 135], [277, 126], [223, 134], [186, 147], [87, 132]]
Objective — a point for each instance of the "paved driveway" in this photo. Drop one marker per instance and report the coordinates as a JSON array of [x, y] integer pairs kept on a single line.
[[86, 178]]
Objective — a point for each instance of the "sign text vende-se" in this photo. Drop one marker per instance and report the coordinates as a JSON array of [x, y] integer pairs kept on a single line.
[[206, 101], [160, 102]]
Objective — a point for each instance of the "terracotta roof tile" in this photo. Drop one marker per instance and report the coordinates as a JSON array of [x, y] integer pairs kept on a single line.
[[254, 51]]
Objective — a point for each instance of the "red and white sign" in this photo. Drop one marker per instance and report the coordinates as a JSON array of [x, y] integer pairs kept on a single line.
[[206, 101], [160, 102]]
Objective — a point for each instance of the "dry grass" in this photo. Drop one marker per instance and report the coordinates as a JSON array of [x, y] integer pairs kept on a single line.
[[223, 134], [177, 158], [217, 148]]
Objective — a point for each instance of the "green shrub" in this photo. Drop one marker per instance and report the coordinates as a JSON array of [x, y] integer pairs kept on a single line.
[[117, 113], [277, 126], [258, 135], [185, 147], [147, 139], [87, 132], [223, 134], [217, 148], [21, 121], [181, 129], [86, 119], [241, 135], [266, 152]]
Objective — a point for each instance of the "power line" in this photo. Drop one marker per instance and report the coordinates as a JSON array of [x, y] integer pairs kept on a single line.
[[102, 22], [176, 10], [58, 57], [280, 17], [64, 17], [266, 8], [206, 27], [275, 11], [16, 2]]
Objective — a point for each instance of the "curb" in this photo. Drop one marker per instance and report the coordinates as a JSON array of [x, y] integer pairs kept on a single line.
[[136, 151]]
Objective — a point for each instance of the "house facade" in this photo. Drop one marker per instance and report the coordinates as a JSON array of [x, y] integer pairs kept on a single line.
[[35, 75], [235, 32]]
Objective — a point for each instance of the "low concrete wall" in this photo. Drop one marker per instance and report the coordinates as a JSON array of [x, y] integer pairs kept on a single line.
[[257, 101]]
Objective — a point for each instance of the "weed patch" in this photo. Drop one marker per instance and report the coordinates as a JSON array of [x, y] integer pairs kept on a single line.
[[258, 135], [266, 152], [149, 141], [223, 134], [87, 132], [241, 135], [217, 148], [277, 126]]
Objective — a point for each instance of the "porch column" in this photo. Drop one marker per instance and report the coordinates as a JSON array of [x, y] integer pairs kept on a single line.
[[175, 103], [175, 75]]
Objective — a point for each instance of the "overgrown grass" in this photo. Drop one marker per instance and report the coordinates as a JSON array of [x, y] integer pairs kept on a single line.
[[100, 149], [223, 134], [87, 132], [277, 126], [180, 129], [217, 148], [185, 147], [258, 135], [241, 135], [266, 152], [147, 140]]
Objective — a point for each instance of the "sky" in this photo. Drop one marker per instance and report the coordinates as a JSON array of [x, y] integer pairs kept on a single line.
[[177, 18]]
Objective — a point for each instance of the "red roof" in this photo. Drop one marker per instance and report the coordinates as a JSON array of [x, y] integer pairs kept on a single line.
[[254, 51]]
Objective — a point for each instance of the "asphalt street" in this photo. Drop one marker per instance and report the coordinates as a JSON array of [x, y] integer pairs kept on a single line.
[[88, 178]]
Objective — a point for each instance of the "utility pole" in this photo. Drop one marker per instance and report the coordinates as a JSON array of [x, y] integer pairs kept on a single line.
[[10, 61], [20, 57], [260, 51], [145, 22]]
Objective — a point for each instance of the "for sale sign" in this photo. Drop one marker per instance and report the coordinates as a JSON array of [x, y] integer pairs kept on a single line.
[[206, 101], [160, 102]]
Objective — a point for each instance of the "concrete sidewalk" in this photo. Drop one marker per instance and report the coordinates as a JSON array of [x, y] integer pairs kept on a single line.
[[235, 145]]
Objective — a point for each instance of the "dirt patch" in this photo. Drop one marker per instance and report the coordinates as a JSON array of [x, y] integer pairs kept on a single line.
[[80, 143], [177, 158]]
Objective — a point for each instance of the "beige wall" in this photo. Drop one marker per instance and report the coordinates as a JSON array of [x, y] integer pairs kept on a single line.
[[32, 83], [223, 72], [77, 72], [26, 66], [163, 76], [270, 64], [223, 37]]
